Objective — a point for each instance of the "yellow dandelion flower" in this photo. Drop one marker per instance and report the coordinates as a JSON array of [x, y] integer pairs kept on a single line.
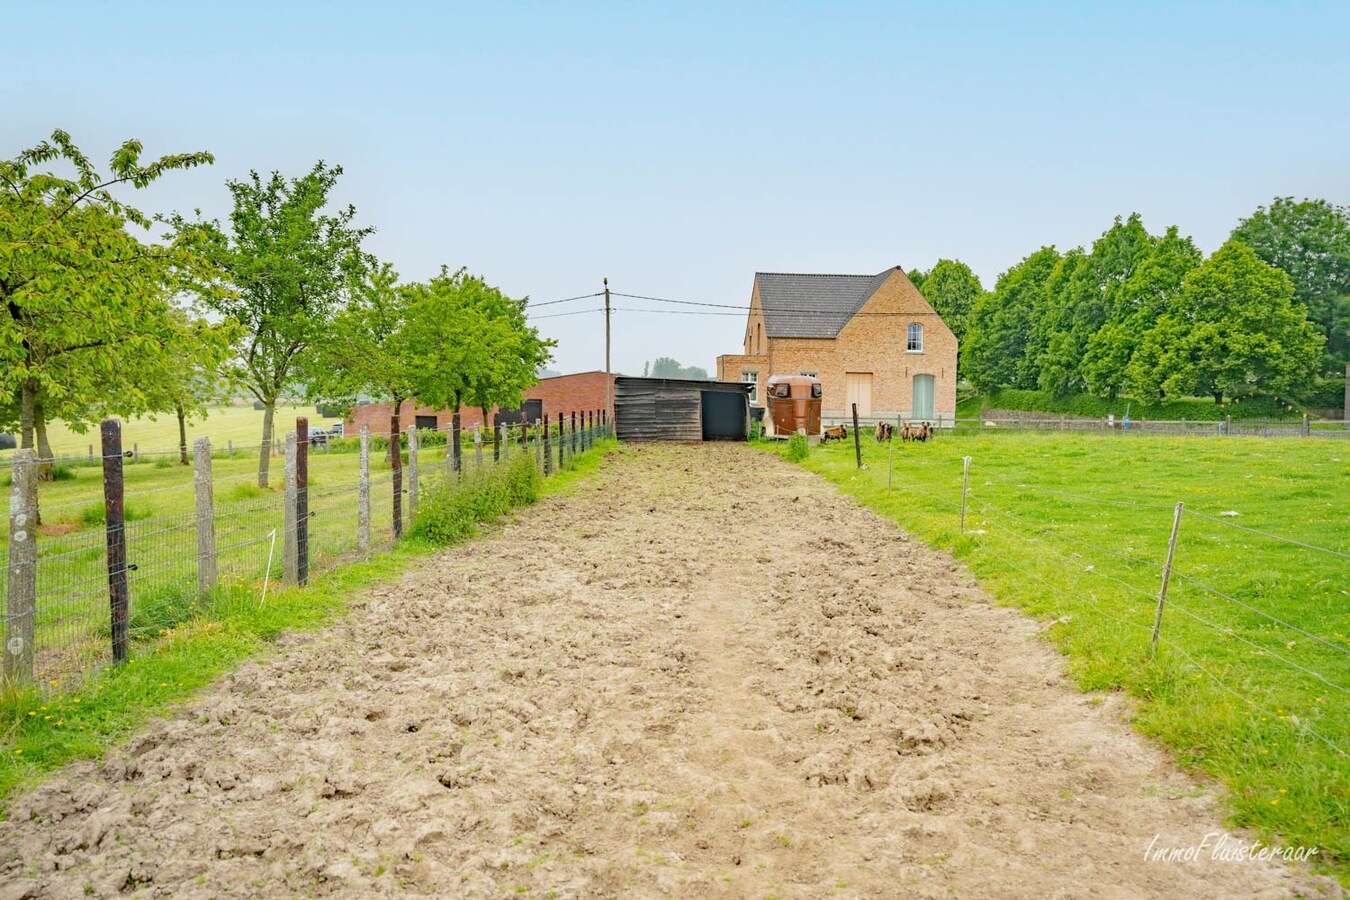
[[1275, 802], [18, 751]]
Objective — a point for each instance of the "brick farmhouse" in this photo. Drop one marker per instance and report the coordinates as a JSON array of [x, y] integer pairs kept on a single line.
[[870, 339], [563, 394]]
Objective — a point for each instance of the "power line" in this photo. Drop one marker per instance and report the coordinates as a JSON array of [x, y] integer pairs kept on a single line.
[[534, 305]]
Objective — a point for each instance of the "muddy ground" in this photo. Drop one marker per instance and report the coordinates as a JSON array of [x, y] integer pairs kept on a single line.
[[705, 673]]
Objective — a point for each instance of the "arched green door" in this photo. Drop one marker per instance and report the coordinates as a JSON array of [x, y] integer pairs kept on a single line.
[[923, 397]]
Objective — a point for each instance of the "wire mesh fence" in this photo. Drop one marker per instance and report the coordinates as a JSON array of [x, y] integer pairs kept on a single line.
[[199, 540]]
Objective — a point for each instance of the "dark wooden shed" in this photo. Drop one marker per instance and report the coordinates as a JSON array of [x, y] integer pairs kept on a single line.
[[672, 409]]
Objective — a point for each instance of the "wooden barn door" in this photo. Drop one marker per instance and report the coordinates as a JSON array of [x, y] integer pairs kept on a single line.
[[858, 389]]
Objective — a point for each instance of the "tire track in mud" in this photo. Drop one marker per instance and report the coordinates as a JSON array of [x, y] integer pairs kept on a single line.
[[705, 673]]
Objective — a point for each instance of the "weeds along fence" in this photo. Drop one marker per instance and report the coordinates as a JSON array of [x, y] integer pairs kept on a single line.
[[1264, 617], [93, 578]]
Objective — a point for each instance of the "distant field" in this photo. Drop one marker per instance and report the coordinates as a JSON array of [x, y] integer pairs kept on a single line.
[[1252, 687], [241, 424]]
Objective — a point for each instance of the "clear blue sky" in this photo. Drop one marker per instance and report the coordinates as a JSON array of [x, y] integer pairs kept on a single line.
[[679, 148]]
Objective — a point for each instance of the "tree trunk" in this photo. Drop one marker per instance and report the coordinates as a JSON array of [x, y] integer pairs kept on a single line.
[[1218, 398], [28, 397], [265, 451], [29, 400], [44, 447], [182, 433]]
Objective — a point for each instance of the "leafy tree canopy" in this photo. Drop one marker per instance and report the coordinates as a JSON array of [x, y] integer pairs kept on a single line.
[[1309, 240], [288, 263]]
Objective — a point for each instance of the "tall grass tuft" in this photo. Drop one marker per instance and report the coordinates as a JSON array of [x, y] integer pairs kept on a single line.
[[451, 511], [798, 448]]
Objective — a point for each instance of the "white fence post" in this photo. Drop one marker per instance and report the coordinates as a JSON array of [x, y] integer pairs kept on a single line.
[[206, 517]]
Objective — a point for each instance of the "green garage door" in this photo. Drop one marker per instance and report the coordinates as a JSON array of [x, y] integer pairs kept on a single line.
[[923, 397]]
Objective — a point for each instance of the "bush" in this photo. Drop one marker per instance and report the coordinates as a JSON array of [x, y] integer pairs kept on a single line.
[[452, 511], [798, 448]]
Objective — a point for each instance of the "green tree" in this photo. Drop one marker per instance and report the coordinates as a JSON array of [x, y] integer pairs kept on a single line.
[[1310, 241], [365, 350], [951, 288], [995, 354], [288, 265], [89, 325], [666, 367], [472, 343], [1244, 333], [917, 277]]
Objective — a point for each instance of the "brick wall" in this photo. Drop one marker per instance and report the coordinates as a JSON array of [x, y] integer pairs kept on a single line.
[[873, 344], [731, 365], [564, 394]]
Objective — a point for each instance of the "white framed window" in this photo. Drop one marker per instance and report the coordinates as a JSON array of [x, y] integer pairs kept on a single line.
[[914, 338], [751, 376]]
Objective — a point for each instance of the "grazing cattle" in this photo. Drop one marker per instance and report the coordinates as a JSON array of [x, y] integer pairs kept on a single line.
[[884, 431], [834, 433]]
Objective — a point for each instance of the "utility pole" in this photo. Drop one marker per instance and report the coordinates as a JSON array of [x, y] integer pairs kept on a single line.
[[609, 400]]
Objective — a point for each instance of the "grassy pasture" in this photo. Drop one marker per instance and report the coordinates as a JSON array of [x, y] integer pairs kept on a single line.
[[241, 424], [1073, 528]]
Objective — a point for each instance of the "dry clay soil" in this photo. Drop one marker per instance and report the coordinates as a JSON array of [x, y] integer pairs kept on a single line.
[[702, 673]]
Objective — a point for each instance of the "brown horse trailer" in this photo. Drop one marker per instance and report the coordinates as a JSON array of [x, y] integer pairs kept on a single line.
[[793, 405]]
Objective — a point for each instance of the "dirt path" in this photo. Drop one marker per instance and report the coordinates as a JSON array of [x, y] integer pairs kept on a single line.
[[655, 686]]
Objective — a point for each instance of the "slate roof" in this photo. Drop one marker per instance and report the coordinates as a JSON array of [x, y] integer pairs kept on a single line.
[[812, 306]]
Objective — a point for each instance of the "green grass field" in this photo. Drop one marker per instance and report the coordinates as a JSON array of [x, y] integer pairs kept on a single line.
[[241, 424], [1252, 688]]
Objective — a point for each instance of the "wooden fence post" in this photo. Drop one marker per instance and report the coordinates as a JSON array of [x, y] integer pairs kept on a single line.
[[396, 448], [449, 452], [363, 494], [478, 446], [562, 439], [110, 430], [230, 452], [1166, 576], [574, 432], [413, 443], [288, 542], [539, 444], [302, 500], [548, 447], [1305, 428], [455, 454], [496, 438], [506, 440], [21, 598], [857, 441], [206, 517]]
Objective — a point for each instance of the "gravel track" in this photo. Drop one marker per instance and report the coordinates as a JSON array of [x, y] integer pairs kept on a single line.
[[704, 673]]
